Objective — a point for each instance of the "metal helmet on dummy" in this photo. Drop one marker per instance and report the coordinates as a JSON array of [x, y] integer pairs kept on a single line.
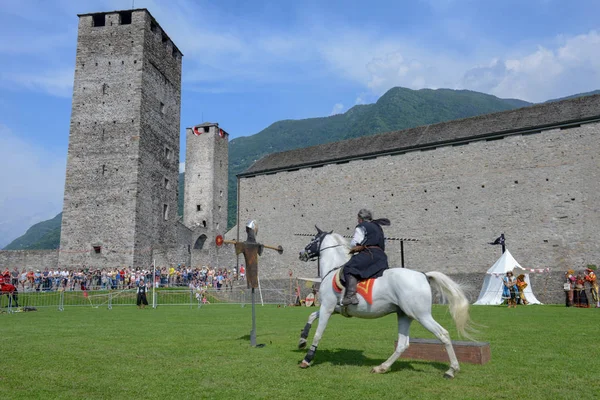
[[252, 225], [252, 230]]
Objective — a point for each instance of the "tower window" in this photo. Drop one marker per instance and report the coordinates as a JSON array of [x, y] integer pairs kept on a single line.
[[168, 153], [97, 249], [162, 107], [167, 184], [125, 17], [165, 212], [198, 207], [98, 20], [204, 223]]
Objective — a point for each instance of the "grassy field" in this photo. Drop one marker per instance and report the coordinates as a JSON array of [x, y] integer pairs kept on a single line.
[[538, 352]]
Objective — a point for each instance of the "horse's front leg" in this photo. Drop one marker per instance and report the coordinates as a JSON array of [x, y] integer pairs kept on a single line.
[[324, 314], [306, 330]]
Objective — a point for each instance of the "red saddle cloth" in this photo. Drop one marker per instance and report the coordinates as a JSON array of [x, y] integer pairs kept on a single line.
[[364, 288]]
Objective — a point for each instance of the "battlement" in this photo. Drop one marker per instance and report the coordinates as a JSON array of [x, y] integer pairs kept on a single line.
[[113, 19]]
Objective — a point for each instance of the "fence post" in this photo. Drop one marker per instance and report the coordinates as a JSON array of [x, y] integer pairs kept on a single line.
[[110, 300], [61, 301]]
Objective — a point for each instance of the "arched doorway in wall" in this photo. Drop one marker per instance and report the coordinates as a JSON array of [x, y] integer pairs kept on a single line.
[[199, 245]]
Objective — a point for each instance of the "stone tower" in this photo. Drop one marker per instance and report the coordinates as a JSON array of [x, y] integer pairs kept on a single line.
[[206, 173], [120, 199]]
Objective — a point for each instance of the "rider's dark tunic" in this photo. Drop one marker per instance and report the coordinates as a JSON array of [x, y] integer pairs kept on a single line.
[[372, 261]]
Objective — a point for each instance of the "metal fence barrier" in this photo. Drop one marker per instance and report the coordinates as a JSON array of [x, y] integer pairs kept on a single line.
[[62, 299]]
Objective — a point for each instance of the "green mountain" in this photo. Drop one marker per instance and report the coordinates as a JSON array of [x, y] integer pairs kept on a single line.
[[397, 109], [43, 235]]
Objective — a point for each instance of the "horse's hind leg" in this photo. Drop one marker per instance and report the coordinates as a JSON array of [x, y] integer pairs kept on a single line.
[[306, 330], [442, 334], [403, 341]]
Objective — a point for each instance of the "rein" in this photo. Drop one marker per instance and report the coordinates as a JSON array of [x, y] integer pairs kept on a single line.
[[319, 260]]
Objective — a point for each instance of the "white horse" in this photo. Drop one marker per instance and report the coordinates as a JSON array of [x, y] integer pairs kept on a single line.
[[402, 291]]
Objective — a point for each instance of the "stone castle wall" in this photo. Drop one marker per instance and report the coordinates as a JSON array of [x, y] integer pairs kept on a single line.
[[541, 190], [28, 259], [123, 157]]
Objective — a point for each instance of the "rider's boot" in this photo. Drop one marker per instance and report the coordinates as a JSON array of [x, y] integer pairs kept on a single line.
[[350, 296]]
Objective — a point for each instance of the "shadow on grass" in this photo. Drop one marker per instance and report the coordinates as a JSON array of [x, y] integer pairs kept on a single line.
[[357, 358]]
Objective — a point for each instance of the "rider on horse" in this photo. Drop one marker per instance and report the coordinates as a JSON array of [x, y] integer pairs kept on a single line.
[[369, 259]]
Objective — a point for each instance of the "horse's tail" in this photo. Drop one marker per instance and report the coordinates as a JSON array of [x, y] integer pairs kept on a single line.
[[459, 305]]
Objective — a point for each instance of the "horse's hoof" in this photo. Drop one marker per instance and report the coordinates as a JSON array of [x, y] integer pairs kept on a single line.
[[302, 343], [378, 370], [304, 364], [448, 376]]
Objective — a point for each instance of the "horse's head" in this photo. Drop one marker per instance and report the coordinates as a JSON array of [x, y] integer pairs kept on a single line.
[[311, 251]]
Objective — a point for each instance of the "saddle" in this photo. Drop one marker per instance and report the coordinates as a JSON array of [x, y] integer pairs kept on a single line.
[[364, 287]]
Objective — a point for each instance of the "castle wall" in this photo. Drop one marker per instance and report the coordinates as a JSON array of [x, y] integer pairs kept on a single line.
[[28, 259], [541, 190]]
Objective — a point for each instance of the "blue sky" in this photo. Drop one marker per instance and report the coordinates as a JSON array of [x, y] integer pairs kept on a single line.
[[249, 63]]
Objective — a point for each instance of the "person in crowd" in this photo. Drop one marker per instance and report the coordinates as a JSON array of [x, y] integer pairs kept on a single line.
[[369, 259], [23, 278], [590, 277], [510, 291], [521, 285]]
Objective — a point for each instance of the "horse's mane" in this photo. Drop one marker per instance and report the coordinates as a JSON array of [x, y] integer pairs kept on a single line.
[[340, 240]]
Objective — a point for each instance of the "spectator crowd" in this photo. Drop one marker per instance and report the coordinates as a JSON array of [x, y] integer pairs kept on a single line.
[[121, 278]]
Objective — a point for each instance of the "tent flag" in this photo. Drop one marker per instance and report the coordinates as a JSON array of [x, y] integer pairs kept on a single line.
[[499, 240]]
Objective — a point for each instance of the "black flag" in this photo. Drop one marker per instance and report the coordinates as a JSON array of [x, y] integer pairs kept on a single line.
[[499, 240]]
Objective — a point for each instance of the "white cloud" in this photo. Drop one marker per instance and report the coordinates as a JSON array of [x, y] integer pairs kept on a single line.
[[54, 82], [181, 167], [573, 66], [337, 109], [33, 184]]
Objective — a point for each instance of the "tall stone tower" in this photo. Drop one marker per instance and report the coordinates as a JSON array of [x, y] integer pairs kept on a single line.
[[206, 173], [120, 199]]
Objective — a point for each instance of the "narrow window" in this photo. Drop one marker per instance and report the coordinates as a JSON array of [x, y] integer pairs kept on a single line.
[[97, 249], [168, 153], [167, 184], [125, 17], [198, 207], [165, 212], [98, 20], [162, 107]]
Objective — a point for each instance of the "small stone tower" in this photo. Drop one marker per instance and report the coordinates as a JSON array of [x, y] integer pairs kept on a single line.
[[120, 200], [206, 173]]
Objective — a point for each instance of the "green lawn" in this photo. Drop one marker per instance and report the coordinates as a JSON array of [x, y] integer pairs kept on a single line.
[[538, 352]]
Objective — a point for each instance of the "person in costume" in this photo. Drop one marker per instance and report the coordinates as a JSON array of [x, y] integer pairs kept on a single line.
[[510, 291], [569, 285], [590, 277], [369, 259], [521, 285], [581, 299], [142, 300]]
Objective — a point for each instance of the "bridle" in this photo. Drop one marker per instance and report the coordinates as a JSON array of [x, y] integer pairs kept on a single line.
[[317, 255]]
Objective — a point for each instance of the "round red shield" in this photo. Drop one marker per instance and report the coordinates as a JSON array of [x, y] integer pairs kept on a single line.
[[219, 240]]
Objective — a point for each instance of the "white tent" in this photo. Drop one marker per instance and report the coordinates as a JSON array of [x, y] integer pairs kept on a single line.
[[491, 291]]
